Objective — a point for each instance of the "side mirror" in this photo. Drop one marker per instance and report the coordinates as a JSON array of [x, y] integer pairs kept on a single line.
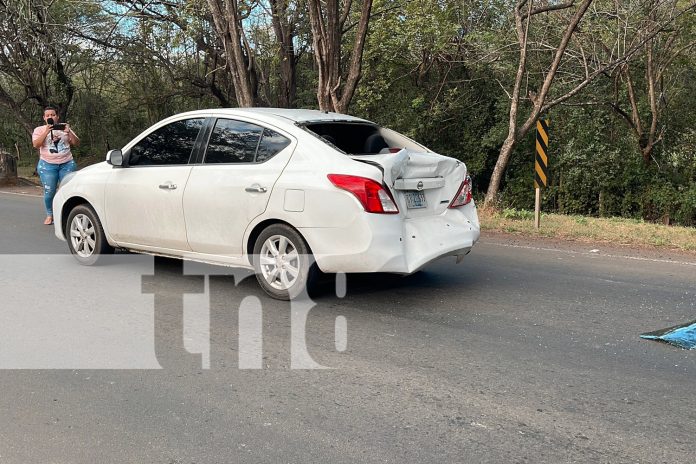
[[114, 157]]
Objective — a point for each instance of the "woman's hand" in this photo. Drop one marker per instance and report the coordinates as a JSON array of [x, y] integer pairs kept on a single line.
[[72, 137], [42, 137]]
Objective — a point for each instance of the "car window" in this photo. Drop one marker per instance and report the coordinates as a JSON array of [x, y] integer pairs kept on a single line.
[[241, 142], [271, 144], [171, 144], [233, 142]]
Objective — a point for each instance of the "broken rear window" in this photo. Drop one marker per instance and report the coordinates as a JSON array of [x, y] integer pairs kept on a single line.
[[358, 138]]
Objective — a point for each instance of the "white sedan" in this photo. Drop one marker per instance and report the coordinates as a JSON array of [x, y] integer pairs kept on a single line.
[[285, 192]]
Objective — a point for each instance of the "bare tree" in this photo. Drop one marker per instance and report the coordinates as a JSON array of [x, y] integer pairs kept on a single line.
[[600, 64], [33, 65], [207, 66], [285, 18], [328, 20], [658, 55], [228, 17]]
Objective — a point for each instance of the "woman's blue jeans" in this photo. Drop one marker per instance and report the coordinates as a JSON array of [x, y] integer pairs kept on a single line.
[[51, 175]]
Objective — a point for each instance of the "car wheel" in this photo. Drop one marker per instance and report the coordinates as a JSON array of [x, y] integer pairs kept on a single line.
[[86, 238], [283, 262]]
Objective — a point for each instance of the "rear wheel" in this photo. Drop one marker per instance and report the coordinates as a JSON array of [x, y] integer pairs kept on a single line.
[[283, 262], [86, 238]]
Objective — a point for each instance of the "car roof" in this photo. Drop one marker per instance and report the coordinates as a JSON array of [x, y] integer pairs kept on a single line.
[[294, 115]]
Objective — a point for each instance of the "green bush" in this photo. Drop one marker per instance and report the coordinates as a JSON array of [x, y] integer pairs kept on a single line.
[[522, 214]]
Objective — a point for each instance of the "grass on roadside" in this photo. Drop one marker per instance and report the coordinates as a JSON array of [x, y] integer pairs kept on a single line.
[[26, 171], [618, 231], [27, 167]]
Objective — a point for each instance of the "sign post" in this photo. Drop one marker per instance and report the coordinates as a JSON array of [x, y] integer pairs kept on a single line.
[[541, 162]]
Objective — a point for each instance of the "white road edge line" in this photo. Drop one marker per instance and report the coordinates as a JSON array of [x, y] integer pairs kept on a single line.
[[21, 194], [572, 252]]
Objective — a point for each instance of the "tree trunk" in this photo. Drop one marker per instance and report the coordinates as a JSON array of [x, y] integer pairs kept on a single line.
[[288, 79], [327, 33], [646, 139], [238, 53], [511, 139], [8, 170], [561, 196], [499, 170], [654, 108], [284, 29]]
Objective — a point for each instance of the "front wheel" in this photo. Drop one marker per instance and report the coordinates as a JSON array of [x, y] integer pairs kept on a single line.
[[86, 238], [283, 262]]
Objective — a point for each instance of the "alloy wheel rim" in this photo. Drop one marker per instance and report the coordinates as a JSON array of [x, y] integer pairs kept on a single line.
[[83, 236], [280, 262]]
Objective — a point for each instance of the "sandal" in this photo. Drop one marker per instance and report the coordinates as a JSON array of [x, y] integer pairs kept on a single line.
[[48, 221]]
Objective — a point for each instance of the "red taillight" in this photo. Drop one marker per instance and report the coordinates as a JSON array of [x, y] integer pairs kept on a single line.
[[463, 196], [373, 197]]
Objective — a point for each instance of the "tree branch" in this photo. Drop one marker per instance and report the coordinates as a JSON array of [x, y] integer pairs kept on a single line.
[[622, 59], [547, 8]]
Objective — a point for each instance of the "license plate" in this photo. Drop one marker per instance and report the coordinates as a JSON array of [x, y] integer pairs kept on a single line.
[[415, 199]]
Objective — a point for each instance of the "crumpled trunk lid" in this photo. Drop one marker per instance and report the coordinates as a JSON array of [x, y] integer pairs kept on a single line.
[[422, 183]]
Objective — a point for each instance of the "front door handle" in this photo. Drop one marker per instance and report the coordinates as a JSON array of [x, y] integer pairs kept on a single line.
[[168, 186], [256, 188]]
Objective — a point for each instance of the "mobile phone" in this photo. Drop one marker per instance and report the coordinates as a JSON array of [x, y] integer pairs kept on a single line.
[[59, 127]]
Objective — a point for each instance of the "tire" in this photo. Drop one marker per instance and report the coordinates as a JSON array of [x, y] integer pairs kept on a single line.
[[85, 235], [283, 262]]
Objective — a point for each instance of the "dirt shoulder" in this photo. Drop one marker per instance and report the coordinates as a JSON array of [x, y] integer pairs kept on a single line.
[[588, 247], [26, 187], [584, 231]]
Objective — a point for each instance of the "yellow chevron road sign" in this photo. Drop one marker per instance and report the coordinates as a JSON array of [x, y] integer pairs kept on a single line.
[[541, 160]]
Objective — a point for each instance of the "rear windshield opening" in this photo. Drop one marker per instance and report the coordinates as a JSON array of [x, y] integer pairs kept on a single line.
[[349, 137], [361, 138]]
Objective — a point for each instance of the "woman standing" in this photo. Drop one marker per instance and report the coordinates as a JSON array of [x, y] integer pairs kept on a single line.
[[55, 158]]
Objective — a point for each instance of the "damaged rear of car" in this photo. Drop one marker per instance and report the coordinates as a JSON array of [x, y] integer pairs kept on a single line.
[[419, 209]]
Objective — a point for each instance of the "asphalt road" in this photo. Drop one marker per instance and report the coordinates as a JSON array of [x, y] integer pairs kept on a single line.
[[522, 353]]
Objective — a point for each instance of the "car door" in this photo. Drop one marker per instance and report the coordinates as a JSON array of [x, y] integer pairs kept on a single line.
[[143, 199], [232, 184]]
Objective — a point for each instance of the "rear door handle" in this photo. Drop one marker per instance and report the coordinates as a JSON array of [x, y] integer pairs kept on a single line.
[[256, 188], [168, 186]]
